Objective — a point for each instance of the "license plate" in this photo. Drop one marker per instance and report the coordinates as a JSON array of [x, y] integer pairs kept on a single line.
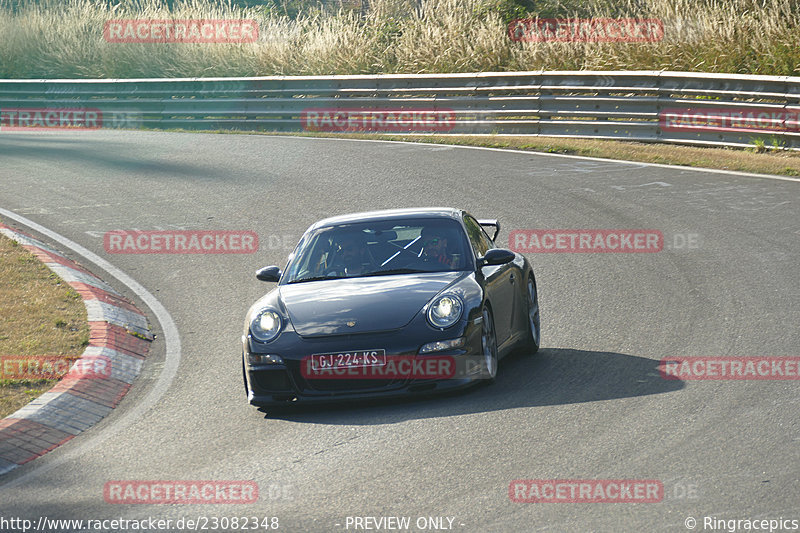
[[355, 359]]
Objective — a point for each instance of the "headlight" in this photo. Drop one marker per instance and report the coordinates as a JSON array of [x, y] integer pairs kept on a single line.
[[265, 325], [445, 311]]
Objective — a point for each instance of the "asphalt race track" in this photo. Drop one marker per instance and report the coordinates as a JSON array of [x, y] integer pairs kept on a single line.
[[591, 405]]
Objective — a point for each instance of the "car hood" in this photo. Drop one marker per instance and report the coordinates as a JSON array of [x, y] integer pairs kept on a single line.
[[376, 303]]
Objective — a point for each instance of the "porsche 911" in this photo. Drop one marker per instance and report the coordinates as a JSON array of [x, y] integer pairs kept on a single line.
[[388, 303]]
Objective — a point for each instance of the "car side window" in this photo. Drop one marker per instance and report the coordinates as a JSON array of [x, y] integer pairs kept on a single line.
[[477, 237]]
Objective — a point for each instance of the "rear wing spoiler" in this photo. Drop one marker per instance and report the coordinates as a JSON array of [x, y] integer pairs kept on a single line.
[[491, 222]]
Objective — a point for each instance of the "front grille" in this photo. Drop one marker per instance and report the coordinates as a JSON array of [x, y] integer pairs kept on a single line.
[[341, 385], [337, 384]]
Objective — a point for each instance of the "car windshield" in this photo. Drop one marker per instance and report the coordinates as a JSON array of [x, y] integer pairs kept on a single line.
[[380, 248]]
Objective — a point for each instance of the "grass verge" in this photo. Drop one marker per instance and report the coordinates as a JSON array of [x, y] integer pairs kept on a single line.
[[39, 315]]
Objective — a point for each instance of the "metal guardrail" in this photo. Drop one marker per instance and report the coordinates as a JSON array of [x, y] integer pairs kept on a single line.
[[653, 106]]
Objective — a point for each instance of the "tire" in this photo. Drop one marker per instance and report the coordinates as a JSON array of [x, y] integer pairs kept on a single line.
[[534, 329], [244, 378], [489, 346]]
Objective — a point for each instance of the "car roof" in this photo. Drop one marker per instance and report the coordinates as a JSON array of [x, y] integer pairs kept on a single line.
[[390, 214]]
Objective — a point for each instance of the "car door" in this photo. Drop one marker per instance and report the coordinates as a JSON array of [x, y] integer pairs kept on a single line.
[[499, 281]]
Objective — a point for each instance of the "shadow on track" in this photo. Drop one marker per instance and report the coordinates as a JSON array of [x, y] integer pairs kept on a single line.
[[551, 377], [105, 155]]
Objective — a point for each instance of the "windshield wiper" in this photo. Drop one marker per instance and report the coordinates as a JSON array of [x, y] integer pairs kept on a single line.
[[316, 278], [368, 274], [395, 271]]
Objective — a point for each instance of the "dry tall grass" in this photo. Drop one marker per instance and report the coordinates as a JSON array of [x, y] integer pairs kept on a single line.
[[56, 39]]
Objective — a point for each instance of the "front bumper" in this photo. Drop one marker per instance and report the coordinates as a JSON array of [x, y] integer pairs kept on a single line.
[[288, 383]]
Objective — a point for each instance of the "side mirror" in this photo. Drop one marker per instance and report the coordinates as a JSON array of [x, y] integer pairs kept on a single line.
[[270, 273], [496, 256]]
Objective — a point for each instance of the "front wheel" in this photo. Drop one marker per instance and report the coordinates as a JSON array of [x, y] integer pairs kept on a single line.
[[244, 378], [534, 329]]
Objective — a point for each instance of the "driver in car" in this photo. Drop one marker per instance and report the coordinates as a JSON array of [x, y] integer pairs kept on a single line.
[[434, 247], [352, 257]]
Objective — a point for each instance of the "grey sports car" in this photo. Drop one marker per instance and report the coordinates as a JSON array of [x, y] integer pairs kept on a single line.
[[388, 303]]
